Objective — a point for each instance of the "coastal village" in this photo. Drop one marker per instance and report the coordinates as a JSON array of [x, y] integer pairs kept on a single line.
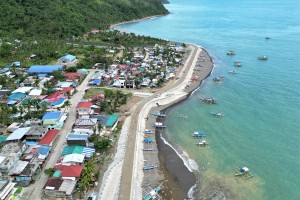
[[60, 121]]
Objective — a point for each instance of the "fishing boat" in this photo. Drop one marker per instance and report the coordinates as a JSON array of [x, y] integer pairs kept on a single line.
[[267, 38], [148, 167], [237, 64], [183, 116], [158, 125], [198, 134], [158, 114], [217, 79], [147, 131], [230, 53], [148, 140], [232, 72], [202, 143], [243, 171], [149, 149], [208, 100], [216, 114], [263, 58], [153, 194]]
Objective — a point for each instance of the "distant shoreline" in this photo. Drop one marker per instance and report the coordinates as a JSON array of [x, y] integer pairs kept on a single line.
[[136, 20]]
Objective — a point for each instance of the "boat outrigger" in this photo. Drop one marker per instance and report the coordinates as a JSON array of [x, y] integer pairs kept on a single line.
[[198, 134], [243, 171], [263, 58], [216, 114], [237, 64], [202, 143], [208, 100]]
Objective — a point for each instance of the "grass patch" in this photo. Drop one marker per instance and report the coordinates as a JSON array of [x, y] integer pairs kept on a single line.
[[92, 92]]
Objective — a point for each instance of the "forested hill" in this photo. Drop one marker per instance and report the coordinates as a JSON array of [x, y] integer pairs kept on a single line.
[[64, 18]]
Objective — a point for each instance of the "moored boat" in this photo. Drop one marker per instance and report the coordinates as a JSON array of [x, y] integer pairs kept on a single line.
[[232, 72], [148, 167], [216, 114], [230, 53], [208, 100], [243, 171], [237, 64], [202, 143], [263, 58], [198, 134]]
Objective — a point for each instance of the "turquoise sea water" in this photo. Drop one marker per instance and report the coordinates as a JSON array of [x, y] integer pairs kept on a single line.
[[261, 103]]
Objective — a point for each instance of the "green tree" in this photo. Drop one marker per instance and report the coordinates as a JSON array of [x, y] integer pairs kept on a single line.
[[102, 145], [50, 171]]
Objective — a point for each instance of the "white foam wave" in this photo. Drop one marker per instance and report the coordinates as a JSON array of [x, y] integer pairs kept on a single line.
[[190, 164], [191, 192]]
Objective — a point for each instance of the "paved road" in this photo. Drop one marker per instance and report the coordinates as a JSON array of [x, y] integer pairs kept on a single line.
[[34, 191]]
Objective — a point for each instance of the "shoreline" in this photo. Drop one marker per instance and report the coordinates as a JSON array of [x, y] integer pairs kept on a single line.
[[175, 170], [182, 89], [113, 26], [171, 165]]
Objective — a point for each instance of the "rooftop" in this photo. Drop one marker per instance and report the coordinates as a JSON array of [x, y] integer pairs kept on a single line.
[[84, 105], [51, 115], [49, 137]]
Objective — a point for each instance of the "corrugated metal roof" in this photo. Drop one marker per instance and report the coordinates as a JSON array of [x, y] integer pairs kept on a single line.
[[78, 158], [44, 150], [76, 136], [18, 134], [86, 122], [44, 69], [56, 174], [49, 137], [112, 120], [51, 115], [72, 149]]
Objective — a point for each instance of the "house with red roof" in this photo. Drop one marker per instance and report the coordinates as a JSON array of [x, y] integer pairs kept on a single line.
[[71, 172], [73, 76], [49, 137], [84, 110]]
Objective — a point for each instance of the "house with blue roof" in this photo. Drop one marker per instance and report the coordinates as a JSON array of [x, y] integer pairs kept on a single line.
[[67, 59], [78, 139], [44, 69], [51, 118]]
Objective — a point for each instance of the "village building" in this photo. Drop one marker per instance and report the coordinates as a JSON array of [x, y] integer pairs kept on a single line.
[[78, 139], [84, 110]]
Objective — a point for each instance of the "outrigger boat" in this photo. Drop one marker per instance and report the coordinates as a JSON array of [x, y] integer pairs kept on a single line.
[[217, 79], [148, 167], [230, 53], [153, 194], [183, 116], [198, 134], [216, 114], [263, 58], [237, 64], [158, 114], [243, 171], [158, 125], [202, 143], [147, 131], [208, 100], [150, 149], [148, 140], [232, 72]]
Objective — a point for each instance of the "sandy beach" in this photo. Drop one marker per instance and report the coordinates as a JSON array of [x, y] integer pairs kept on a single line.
[[135, 20]]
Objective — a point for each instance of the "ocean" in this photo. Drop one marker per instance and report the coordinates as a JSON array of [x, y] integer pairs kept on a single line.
[[260, 103]]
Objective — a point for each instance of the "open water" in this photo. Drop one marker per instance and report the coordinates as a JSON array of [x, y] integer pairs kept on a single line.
[[261, 103]]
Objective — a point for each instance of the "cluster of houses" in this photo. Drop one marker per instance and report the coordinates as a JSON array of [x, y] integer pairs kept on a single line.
[[69, 167], [26, 145], [143, 70]]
